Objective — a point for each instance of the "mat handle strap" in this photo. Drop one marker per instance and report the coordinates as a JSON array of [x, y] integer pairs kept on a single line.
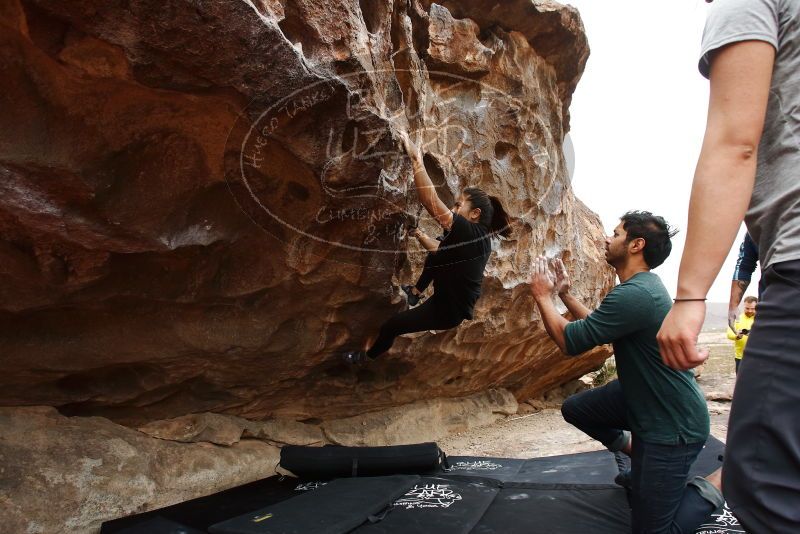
[[444, 460], [380, 516]]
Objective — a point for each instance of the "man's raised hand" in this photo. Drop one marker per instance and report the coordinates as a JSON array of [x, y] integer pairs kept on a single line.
[[562, 281], [542, 281]]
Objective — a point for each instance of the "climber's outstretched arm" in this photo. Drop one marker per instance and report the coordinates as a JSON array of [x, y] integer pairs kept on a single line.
[[425, 188]]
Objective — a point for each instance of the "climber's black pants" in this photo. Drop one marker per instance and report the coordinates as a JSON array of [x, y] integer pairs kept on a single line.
[[427, 316], [426, 277]]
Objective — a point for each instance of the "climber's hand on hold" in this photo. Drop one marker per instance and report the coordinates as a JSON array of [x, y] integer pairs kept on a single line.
[[410, 147], [426, 192]]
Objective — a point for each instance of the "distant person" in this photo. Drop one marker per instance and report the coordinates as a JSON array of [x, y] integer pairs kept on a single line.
[[456, 266], [741, 329], [653, 413], [746, 264], [749, 166]]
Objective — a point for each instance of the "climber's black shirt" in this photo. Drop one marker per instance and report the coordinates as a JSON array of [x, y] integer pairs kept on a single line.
[[458, 266]]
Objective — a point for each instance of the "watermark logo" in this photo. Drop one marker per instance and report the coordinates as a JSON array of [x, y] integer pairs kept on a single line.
[[724, 522], [310, 486], [477, 465], [323, 168], [428, 496]]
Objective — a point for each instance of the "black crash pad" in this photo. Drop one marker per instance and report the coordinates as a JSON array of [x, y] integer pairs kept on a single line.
[[566, 494], [335, 508]]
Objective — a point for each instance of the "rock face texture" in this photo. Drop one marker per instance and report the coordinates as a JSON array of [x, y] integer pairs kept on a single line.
[[60, 474], [64, 474], [201, 203], [418, 422]]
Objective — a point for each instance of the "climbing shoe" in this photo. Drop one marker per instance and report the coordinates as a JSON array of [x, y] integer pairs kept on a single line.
[[412, 298], [624, 479], [355, 357], [412, 222]]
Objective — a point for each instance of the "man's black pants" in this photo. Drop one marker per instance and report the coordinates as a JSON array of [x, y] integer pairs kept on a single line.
[[661, 500], [761, 473]]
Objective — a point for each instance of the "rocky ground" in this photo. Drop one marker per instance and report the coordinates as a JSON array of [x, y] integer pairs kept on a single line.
[[544, 433]]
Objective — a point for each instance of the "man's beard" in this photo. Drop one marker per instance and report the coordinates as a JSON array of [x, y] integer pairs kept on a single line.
[[611, 259]]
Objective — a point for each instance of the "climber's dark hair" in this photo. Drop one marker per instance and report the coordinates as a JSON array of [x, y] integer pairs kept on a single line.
[[655, 231], [493, 215]]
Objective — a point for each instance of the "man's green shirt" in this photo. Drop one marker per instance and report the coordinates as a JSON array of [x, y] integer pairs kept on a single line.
[[665, 406]]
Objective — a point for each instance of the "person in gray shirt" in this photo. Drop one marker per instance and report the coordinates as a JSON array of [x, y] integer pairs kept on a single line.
[[751, 160]]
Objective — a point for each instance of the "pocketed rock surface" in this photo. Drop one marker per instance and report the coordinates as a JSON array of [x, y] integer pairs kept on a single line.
[[202, 204]]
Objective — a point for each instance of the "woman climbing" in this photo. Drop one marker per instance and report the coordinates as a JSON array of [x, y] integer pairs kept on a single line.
[[455, 264]]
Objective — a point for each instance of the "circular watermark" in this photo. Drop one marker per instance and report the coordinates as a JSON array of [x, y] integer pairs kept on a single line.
[[323, 168]]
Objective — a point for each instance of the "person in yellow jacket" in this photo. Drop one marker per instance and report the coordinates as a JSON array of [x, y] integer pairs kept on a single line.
[[741, 329]]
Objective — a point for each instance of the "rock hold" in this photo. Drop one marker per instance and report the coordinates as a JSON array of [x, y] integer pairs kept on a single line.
[[454, 44]]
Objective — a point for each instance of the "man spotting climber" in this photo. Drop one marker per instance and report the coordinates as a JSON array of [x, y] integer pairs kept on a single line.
[[653, 413]]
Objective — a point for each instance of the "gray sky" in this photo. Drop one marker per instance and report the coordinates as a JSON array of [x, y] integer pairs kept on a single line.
[[638, 117]]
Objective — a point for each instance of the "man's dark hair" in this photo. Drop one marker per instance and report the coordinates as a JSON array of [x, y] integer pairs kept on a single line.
[[655, 231], [750, 298]]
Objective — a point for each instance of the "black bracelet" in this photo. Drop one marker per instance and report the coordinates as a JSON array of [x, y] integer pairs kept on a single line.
[[689, 300]]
